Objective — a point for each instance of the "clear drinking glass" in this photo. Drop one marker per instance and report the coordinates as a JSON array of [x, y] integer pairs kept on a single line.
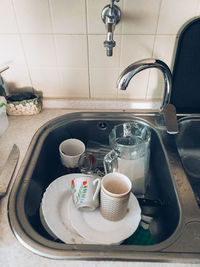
[[130, 143], [91, 162]]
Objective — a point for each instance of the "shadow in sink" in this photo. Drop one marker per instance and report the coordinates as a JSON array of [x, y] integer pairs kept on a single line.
[[42, 165], [188, 144]]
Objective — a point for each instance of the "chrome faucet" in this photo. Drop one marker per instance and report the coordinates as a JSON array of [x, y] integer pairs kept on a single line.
[[110, 15], [140, 65], [168, 110]]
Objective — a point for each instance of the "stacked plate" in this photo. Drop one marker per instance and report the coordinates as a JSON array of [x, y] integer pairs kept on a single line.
[[63, 220]]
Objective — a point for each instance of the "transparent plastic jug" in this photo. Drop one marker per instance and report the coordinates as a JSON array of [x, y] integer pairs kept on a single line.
[[130, 143]]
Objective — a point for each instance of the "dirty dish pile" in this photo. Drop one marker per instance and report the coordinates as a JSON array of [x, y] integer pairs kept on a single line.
[[98, 206], [61, 217]]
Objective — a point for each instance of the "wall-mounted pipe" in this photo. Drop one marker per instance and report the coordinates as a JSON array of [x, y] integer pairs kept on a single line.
[[110, 15]]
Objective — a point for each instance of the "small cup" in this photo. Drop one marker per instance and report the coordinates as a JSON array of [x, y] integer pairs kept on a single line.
[[85, 192], [115, 192], [70, 152]]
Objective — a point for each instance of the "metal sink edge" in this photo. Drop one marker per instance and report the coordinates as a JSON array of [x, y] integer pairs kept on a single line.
[[164, 251]]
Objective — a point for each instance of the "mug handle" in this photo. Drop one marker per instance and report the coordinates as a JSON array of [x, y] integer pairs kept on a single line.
[[111, 162], [98, 182]]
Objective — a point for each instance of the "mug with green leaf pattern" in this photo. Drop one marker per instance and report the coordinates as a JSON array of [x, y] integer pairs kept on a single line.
[[85, 192]]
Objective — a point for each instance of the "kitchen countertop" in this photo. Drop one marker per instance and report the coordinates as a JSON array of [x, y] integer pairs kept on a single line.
[[12, 253]]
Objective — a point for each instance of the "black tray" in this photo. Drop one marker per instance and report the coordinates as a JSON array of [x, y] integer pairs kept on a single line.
[[186, 73]]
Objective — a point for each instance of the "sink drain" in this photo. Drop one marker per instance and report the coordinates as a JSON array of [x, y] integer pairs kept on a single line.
[[102, 125]]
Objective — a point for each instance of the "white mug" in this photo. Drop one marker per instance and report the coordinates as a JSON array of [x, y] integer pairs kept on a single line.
[[70, 152], [114, 197], [85, 192]]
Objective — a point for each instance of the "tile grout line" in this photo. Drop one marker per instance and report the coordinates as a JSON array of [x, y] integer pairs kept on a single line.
[[121, 41], [54, 41], [155, 35], [89, 34], [87, 40], [22, 46]]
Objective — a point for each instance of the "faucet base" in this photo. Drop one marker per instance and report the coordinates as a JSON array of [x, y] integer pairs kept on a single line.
[[116, 13]]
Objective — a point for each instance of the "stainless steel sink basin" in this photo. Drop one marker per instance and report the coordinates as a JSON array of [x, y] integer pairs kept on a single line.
[[176, 224], [188, 143]]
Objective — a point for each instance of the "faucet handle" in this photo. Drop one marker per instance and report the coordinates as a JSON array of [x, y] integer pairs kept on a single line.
[[169, 113]]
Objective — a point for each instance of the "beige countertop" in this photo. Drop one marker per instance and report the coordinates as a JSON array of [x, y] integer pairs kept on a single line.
[[12, 253]]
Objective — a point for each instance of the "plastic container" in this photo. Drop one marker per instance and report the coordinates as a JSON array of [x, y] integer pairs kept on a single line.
[[3, 115]]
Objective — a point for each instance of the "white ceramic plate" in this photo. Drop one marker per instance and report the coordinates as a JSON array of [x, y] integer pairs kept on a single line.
[[54, 210], [94, 228]]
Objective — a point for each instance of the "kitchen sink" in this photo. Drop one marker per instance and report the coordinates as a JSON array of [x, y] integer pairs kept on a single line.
[[175, 227]]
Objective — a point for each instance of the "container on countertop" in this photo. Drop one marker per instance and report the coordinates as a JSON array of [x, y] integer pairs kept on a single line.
[[25, 103]]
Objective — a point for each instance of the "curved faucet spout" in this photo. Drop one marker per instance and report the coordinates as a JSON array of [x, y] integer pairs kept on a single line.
[[140, 65]]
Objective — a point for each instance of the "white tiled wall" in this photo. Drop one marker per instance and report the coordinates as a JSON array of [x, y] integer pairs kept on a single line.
[[56, 46]]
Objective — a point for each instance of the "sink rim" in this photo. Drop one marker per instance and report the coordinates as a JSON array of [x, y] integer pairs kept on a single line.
[[65, 251]]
